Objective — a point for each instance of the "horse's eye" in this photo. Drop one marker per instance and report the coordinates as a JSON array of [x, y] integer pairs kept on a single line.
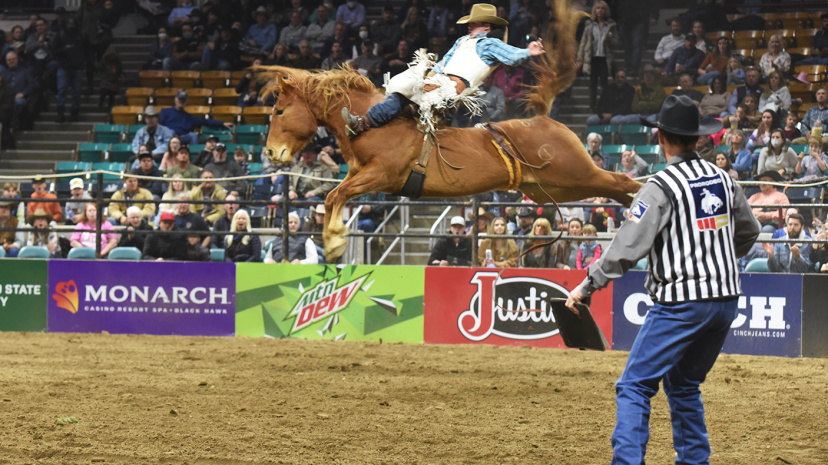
[[279, 112]]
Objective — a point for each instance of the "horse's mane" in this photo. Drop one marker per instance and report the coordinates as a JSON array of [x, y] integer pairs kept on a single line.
[[555, 70], [330, 88]]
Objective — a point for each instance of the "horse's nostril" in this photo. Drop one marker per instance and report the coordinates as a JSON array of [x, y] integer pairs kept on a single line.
[[270, 153]]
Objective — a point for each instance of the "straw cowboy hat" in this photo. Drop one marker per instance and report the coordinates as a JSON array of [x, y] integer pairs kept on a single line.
[[680, 115], [483, 13], [39, 213]]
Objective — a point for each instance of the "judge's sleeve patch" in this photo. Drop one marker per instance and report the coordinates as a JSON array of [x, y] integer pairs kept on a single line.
[[637, 211]]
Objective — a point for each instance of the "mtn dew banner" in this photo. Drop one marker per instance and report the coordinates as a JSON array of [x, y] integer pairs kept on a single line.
[[23, 294], [361, 302], [190, 299]]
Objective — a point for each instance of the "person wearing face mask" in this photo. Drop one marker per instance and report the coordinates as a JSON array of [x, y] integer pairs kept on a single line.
[[160, 50], [778, 156], [352, 13], [187, 51]]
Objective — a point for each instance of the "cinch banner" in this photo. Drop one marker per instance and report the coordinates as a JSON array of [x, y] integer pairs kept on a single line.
[[23, 294], [769, 320], [190, 299], [362, 303], [502, 307]]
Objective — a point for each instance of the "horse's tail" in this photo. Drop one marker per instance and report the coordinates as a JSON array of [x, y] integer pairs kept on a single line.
[[555, 70]]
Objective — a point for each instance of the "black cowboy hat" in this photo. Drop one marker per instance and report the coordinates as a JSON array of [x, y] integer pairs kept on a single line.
[[679, 115], [773, 175]]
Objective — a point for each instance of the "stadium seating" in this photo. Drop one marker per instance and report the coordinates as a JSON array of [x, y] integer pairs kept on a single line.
[[81, 253], [199, 96], [227, 113], [757, 265], [236, 76], [257, 115], [215, 79], [106, 166], [33, 251], [108, 133], [225, 96], [185, 79], [217, 255], [343, 170], [165, 96], [253, 134], [255, 168], [72, 166], [119, 152], [139, 96], [154, 79], [607, 131], [637, 134], [749, 39], [124, 253], [91, 151]]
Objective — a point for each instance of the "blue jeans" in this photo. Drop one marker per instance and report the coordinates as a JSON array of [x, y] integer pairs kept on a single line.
[[207, 58], [707, 77], [635, 35], [65, 79], [633, 119], [385, 111], [679, 344]]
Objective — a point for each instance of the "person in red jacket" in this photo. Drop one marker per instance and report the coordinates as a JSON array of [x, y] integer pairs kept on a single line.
[[40, 192]]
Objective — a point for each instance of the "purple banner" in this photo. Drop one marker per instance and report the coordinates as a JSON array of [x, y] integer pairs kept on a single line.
[[769, 320], [191, 299]]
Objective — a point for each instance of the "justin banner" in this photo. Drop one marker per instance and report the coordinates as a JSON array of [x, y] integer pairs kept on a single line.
[[330, 302]]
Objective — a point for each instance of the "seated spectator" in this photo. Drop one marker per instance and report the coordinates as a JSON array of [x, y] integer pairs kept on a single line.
[[387, 32], [646, 101], [632, 164], [10, 193], [12, 240], [38, 48], [526, 217], [180, 14], [761, 135], [25, 88], [819, 45], [351, 14], [454, 250], [134, 235], [222, 53], [182, 123], [41, 234], [715, 62], [397, 62], [778, 156], [306, 58], [208, 190], [716, 101], [205, 157], [492, 107], [751, 87], [815, 163], [320, 32], [705, 149], [669, 44], [589, 251], [790, 130], [160, 49], [484, 219], [511, 81], [154, 136], [685, 59], [616, 99], [685, 87], [502, 253], [222, 167], [186, 220], [568, 249], [343, 36], [183, 167], [174, 187], [336, 58], [186, 52], [85, 231], [240, 245], [819, 251], [147, 168], [602, 218], [316, 225], [240, 157], [196, 251], [545, 256], [769, 195], [413, 30], [371, 215], [790, 258], [222, 225], [40, 192], [294, 32], [702, 43], [304, 188], [751, 117], [775, 59], [279, 56], [724, 164], [368, 64], [778, 96], [815, 118], [594, 144], [162, 247], [15, 42], [261, 37], [740, 157], [80, 197], [301, 249], [132, 195], [735, 73]]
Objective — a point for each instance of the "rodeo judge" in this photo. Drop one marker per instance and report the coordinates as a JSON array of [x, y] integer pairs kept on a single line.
[[692, 222], [461, 71]]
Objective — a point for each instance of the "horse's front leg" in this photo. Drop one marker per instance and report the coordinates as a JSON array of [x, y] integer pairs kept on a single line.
[[355, 183]]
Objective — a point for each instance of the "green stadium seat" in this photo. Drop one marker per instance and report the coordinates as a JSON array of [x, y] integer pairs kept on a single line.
[[91, 151], [613, 148], [120, 152], [232, 148], [72, 166], [757, 265], [637, 134], [132, 130], [33, 251], [343, 170], [251, 133], [647, 149], [109, 133], [255, 168], [81, 253], [124, 253], [106, 166], [217, 255], [607, 131], [656, 167]]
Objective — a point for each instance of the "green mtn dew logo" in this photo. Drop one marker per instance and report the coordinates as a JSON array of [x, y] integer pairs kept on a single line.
[[323, 300]]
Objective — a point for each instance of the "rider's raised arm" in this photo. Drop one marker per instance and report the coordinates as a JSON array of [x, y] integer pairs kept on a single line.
[[494, 52]]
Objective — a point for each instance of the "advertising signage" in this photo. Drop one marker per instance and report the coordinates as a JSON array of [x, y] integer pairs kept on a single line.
[[192, 299], [769, 320], [362, 302], [23, 294], [502, 307]]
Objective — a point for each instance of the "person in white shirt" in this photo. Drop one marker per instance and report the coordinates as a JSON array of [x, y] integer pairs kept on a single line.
[[669, 43]]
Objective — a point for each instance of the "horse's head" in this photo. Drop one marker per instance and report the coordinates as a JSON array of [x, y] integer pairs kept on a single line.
[[292, 123]]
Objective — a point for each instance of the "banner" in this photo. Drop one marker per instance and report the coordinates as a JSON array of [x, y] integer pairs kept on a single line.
[[502, 307], [192, 299], [814, 316], [362, 303], [23, 294], [769, 320]]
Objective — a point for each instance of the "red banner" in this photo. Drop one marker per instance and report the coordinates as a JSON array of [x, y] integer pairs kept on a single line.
[[502, 307]]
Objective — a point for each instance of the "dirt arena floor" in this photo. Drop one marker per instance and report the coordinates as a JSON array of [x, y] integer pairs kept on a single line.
[[176, 400]]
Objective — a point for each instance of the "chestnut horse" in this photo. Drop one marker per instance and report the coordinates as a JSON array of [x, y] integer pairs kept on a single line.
[[381, 159]]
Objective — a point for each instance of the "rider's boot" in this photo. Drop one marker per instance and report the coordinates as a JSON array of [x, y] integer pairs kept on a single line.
[[354, 125]]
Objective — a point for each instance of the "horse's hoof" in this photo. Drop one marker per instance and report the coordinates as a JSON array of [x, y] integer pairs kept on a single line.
[[334, 252]]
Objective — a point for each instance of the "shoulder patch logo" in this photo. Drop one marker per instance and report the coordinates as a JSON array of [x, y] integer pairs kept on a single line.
[[637, 211], [709, 199]]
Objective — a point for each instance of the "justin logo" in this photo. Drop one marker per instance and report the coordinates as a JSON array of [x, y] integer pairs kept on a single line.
[[66, 296]]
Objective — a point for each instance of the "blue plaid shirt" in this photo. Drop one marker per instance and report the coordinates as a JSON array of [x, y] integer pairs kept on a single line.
[[812, 115], [492, 51]]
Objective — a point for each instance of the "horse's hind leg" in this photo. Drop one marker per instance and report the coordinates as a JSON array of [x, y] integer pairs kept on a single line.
[[354, 184]]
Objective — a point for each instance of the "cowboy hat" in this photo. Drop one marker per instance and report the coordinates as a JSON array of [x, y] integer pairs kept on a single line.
[[39, 213], [649, 69], [772, 175], [150, 111], [482, 213], [483, 13], [679, 115]]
